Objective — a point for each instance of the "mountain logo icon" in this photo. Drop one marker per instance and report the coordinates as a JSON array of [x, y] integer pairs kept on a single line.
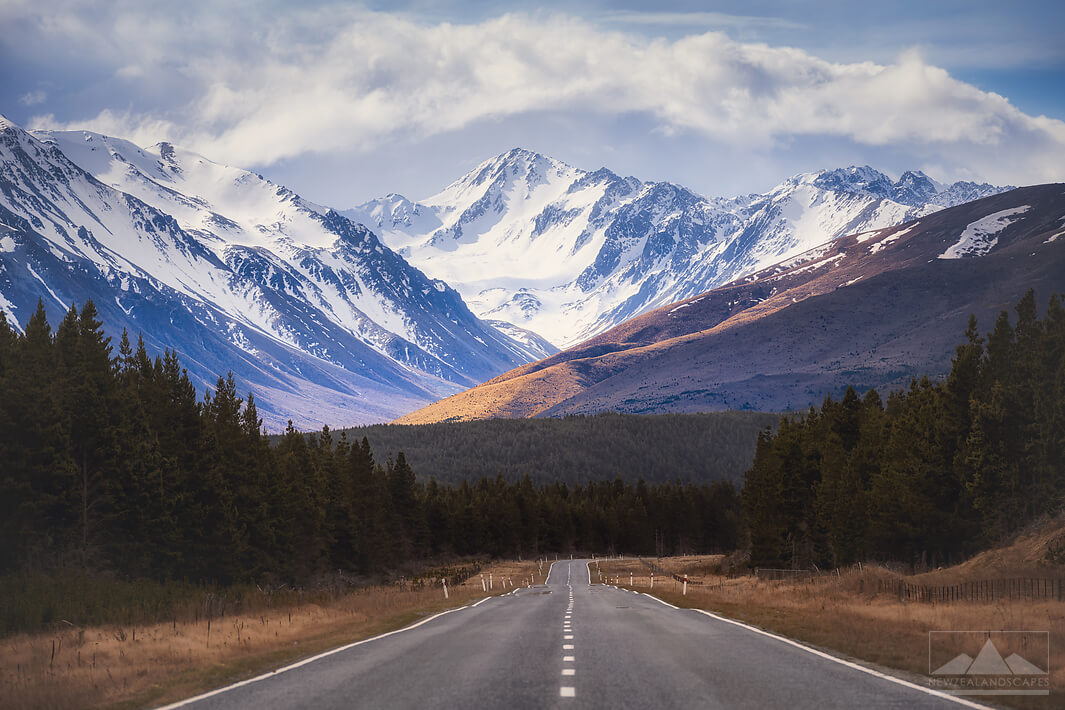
[[989, 662]]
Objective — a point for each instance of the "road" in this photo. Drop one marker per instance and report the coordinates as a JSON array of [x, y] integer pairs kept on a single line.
[[571, 644]]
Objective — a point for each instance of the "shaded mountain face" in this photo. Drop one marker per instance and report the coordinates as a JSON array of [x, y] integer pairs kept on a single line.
[[871, 309], [307, 308], [570, 254]]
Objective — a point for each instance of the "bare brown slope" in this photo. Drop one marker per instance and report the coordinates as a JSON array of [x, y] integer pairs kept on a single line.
[[870, 310]]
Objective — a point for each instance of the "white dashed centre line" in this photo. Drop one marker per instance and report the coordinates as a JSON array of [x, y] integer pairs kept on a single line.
[[568, 691]]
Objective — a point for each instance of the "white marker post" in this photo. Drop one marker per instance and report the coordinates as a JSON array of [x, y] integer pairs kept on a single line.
[[484, 585], [490, 585], [630, 579], [685, 588], [444, 582], [652, 580]]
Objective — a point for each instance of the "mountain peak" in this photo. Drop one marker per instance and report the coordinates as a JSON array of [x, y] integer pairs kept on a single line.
[[517, 168], [915, 188], [12, 129], [519, 153], [854, 179], [521, 162]]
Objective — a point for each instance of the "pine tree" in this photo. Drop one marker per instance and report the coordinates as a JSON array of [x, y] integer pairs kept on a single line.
[[761, 504], [14, 489], [40, 459], [409, 531], [92, 393], [300, 521]]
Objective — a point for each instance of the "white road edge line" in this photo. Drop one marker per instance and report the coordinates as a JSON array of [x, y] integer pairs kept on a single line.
[[480, 602], [305, 661], [834, 659], [822, 654], [649, 596]]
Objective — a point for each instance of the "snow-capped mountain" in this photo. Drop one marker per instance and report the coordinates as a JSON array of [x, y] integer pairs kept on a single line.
[[569, 254], [873, 309], [234, 272]]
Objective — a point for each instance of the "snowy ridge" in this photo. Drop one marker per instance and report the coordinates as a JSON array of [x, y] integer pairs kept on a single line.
[[235, 273], [568, 254]]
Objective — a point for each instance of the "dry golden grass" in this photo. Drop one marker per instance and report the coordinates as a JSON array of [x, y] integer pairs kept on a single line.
[[520, 396], [1024, 557], [847, 614], [124, 666]]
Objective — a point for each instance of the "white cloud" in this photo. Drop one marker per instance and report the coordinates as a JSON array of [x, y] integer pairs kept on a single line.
[[345, 79], [698, 19], [32, 98]]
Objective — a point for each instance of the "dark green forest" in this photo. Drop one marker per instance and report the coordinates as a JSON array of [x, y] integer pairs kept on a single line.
[[695, 448], [932, 475], [114, 464]]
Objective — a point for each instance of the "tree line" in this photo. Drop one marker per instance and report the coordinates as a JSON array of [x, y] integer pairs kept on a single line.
[[659, 448], [113, 463], [932, 475]]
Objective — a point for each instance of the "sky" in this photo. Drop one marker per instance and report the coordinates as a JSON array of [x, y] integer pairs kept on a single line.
[[346, 101]]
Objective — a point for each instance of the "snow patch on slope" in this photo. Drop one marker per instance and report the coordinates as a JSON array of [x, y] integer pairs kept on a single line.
[[893, 237], [981, 236], [9, 309]]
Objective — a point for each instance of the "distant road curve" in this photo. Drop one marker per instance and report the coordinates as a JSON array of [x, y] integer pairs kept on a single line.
[[571, 644]]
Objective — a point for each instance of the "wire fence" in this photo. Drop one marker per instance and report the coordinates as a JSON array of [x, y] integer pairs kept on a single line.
[[987, 590], [1019, 588], [779, 574]]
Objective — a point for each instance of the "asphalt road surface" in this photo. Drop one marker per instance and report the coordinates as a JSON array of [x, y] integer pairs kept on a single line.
[[571, 644]]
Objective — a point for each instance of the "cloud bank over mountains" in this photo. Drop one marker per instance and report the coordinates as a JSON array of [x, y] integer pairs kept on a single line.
[[262, 88]]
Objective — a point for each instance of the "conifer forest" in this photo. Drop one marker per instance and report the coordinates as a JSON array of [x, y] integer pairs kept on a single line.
[[113, 463], [931, 475]]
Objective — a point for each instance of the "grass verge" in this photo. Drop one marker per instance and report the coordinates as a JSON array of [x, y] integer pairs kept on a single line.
[[845, 614], [141, 665]]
